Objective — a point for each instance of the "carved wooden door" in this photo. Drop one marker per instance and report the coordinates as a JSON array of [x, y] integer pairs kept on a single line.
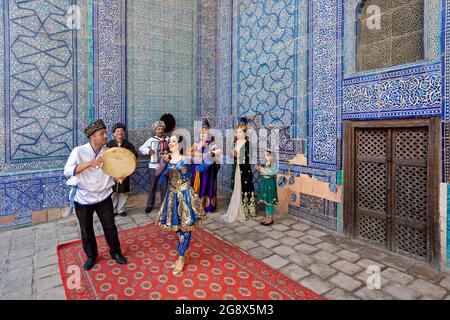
[[392, 202]]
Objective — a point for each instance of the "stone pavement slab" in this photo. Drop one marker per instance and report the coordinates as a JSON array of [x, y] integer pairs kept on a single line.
[[294, 272], [275, 261], [317, 284]]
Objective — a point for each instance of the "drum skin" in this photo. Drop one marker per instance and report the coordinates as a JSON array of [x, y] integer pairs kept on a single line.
[[118, 162]]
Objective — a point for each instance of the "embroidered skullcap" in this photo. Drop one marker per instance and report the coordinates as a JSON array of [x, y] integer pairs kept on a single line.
[[93, 127]]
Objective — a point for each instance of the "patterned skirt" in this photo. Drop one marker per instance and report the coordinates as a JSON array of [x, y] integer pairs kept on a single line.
[[268, 192], [181, 210]]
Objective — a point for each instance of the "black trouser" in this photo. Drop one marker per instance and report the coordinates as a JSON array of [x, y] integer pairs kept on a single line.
[[152, 190], [105, 212]]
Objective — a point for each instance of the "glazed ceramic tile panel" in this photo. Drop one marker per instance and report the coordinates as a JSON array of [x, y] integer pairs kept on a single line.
[[161, 61], [44, 93], [270, 69], [224, 63], [46, 89], [207, 33], [44, 84], [416, 91], [109, 60], [324, 83], [22, 194]]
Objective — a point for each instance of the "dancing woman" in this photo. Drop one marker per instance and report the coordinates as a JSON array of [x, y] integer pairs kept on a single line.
[[182, 209]]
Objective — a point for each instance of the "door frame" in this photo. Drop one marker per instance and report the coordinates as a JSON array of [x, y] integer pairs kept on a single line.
[[434, 176]]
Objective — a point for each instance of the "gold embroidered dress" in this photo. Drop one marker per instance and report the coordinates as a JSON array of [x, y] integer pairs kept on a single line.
[[181, 208]]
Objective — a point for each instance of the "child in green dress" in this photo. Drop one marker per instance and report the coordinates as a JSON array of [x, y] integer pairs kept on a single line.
[[268, 193]]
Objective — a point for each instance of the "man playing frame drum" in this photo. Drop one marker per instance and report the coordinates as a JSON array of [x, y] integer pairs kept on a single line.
[[91, 191], [121, 190]]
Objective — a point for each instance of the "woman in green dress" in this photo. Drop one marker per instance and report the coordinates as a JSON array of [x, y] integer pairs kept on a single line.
[[268, 192]]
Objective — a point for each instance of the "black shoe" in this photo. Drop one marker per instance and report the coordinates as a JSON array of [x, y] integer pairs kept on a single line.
[[123, 214], [90, 262], [266, 224], [148, 210], [120, 259]]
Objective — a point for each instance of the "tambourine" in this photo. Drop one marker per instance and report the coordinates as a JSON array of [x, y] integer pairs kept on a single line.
[[118, 162]]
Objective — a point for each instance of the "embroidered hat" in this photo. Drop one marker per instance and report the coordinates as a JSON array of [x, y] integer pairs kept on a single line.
[[93, 127], [118, 125], [157, 124], [205, 124]]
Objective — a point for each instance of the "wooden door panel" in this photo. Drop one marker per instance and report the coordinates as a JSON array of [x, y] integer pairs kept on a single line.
[[392, 170], [410, 197], [371, 185]]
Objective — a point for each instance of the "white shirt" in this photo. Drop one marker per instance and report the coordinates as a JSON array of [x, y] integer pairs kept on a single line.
[[145, 149], [93, 184]]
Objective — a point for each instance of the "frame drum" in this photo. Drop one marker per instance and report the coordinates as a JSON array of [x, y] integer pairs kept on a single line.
[[118, 162]]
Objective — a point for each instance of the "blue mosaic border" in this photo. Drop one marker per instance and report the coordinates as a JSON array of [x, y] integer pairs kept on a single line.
[[22, 194], [109, 99], [207, 32], [325, 58], [225, 49], [411, 92]]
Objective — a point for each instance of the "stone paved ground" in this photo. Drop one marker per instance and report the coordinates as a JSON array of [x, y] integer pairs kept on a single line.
[[330, 265]]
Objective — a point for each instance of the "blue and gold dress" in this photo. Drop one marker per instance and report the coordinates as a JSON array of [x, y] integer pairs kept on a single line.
[[181, 209]]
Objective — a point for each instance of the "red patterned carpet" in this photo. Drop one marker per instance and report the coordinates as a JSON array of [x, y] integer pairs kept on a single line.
[[216, 271]]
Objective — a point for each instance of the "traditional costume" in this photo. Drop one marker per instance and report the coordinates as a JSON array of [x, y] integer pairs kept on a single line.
[[268, 190], [121, 190], [182, 210], [159, 146], [91, 191], [205, 183], [242, 204]]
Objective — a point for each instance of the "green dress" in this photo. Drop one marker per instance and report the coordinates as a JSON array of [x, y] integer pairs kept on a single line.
[[268, 191]]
